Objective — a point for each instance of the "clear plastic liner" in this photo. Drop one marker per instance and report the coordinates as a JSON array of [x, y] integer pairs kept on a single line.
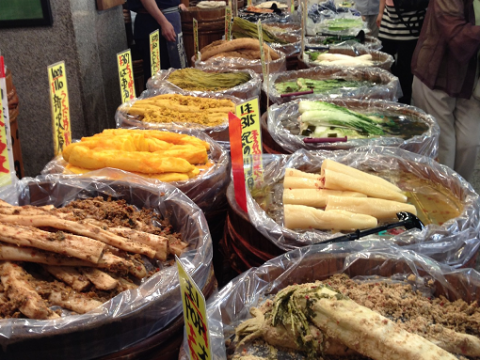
[[365, 261], [286, 115], [454, 242], [385, 85], [293, 47], [132, 315], [125, 121], [275, 66], [380, 59], [244, 91], [207, 190], [371, 42]]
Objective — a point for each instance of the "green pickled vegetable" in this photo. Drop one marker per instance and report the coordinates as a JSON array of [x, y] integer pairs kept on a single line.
[[245, 29], [318, 86]]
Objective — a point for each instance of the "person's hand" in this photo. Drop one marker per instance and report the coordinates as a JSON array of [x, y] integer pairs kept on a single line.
[[379, 20], [168, 32], [183, 7]]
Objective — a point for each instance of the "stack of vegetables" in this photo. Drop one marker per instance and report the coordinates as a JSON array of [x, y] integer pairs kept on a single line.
[[245, 29], [352, 199], [182, 109], [322, 119], [318, 86], [238, 48], [198, 80], [329, 59], [160, 155]]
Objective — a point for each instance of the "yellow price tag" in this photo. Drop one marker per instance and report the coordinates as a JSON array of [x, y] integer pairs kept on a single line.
[[125, 75], [249, 3], [195, 39], [62, 133], [249, 115], [155, 51], [228, 23], [195, 315], [6, 156]]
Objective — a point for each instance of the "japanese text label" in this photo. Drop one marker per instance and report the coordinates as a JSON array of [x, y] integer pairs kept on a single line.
[[155, 51], [195, 39], [125, 74], [6, 157], [62, 132], [195, 315], [249, 115]]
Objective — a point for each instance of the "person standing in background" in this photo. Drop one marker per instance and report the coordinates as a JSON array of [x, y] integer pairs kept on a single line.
[[446, 65], [399, 32], [163, 15], [369, 11]]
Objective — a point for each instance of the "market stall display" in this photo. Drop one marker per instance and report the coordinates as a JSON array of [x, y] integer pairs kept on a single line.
[[150, 306], [240, 54], [242, 84], [162, 109], [348, 297], [369, 42], [358, 83], [443, 201], [347, 57], [372, 122]]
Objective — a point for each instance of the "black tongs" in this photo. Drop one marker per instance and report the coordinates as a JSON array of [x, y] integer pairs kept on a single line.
[[407, 220]]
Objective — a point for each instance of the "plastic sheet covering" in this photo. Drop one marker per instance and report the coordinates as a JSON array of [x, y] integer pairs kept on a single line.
[[371, 42], [207, 190], [367, 261], [285, 116], [125, 121], [380, 59], [244, 91], [454, 242], [132, 315], [384, 85], [275, 66]]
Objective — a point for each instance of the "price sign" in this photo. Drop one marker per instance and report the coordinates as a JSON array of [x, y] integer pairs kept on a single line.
[[62, 133], [195, 39], [249, 115], [304, 25], [262, 50], [6, 156], [228, 23], [195, 315], [125, 74], [155, 51]]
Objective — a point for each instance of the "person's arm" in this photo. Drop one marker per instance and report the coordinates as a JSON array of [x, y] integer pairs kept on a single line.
[[168, 32], [380, 12], [463, 38]]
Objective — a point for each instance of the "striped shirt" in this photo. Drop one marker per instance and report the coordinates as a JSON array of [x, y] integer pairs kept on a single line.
[[406, 27]]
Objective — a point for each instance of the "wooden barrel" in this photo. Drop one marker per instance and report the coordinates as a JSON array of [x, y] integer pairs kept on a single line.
[[13, 112], [242, 243], [166, 343], [211, 27]]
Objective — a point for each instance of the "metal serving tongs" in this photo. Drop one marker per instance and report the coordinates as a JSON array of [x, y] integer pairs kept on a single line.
[[407, 220]]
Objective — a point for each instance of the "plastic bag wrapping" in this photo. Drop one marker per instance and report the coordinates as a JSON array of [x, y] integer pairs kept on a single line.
[[275, 66], [286, 115], [125, 121], [364, 261], [293, 46], [132, 315], [385, 85], [207, 190], [244, 91], [380, 59], [371, 42], [454, 242]]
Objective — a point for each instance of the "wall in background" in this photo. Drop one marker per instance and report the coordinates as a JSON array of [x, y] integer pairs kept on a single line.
[[87, 40]]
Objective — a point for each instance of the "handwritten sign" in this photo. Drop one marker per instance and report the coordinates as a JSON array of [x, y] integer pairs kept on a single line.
[[249, 115], [195, 315], [304, 26], [125, 74], [228, 23], [155, 51], [6, 155], [196, 47], [62, 132], [236, 154]]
